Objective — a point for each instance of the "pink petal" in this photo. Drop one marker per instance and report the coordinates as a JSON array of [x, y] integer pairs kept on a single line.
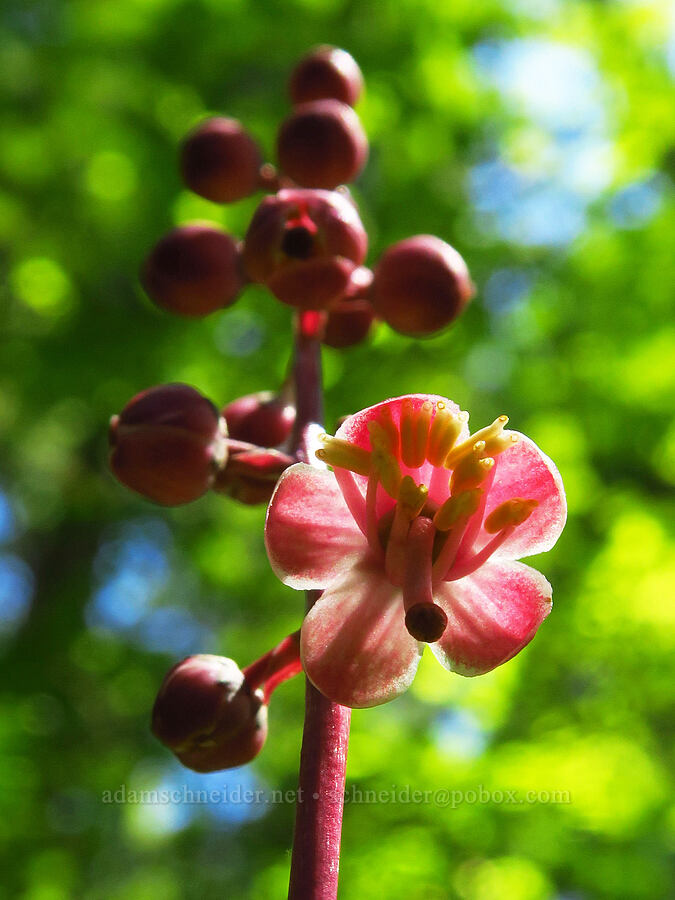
[[355, 430], [354, 644], [310, 535], [492, 615], [524, 471]]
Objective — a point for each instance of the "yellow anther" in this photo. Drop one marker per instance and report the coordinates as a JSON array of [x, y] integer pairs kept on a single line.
[[387, 469], [487, 434], [513, 512], [343, 455], [411, 497], [461, 506], [500, 442], [415, 432], [470, 473], [386, 423], [445, 429]]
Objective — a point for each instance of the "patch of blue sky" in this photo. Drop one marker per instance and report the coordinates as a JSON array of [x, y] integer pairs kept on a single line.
[[17, 585], [7, 521], [459, 733], [133, 573]]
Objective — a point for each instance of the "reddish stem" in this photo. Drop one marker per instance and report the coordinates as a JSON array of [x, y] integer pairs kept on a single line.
[[318, 818]]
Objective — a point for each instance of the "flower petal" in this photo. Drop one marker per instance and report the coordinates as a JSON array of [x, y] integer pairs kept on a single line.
[[354, 644], [492, 615], [355, 430], [524, 471], [310, 535]]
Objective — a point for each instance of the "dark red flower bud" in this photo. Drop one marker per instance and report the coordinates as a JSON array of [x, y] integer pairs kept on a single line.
[[351, 317], [322, 144], [421, 285], [208, 715], [326, 73], [265, 419], [220, 161], [250, 475], [304, 245], [167, 444], [193, 270]]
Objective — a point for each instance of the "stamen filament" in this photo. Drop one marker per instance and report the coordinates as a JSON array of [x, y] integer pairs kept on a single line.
[[448, 554], [372, 533], [475, 562]]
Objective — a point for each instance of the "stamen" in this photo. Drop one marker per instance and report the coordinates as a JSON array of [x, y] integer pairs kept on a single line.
[[344, 455], [412, 497], [471, 471], [464, 449], [445, 429], [384, 430], [459, 506], [384, 462], [424, 620], [500, 442], [414, 432], [512, 512]]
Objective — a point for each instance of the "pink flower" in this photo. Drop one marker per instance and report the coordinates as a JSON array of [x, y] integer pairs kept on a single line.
[[413, 538]]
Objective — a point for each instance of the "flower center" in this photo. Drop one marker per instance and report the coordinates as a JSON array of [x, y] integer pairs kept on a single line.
[[417, 528]]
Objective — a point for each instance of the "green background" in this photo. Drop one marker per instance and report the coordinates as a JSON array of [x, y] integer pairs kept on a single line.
[[539, 139]]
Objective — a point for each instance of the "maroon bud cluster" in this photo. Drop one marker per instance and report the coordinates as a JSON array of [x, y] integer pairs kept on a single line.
[[208, 714], [167, 444], [326, 73], [193, 271], [220, 161], [420, 285], [304, 245]]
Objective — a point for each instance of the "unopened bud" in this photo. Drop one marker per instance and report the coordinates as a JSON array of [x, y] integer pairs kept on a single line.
[[221, 161], [265, 419], [421, 285], [193, 271], [322, 144], [250, 476], [167, 444], [207, 714]]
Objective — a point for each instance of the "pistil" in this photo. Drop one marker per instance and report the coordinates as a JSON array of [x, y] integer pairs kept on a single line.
[[424, 620]]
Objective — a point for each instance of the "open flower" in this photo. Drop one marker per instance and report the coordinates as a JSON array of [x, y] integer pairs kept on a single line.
[[413, 539]]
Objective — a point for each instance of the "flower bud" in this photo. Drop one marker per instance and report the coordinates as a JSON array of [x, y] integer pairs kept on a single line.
[[304, 245], [167, 444], [250, 476], [208, 715], [265, 419], [193, 271], [421, 285], [351, 317], [220, 161], [326, 73], [322, 144]]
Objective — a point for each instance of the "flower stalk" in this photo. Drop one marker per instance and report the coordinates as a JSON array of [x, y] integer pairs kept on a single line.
[[323, 760]]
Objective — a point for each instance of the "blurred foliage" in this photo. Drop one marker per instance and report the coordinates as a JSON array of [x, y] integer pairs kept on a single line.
[[538, 138]]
